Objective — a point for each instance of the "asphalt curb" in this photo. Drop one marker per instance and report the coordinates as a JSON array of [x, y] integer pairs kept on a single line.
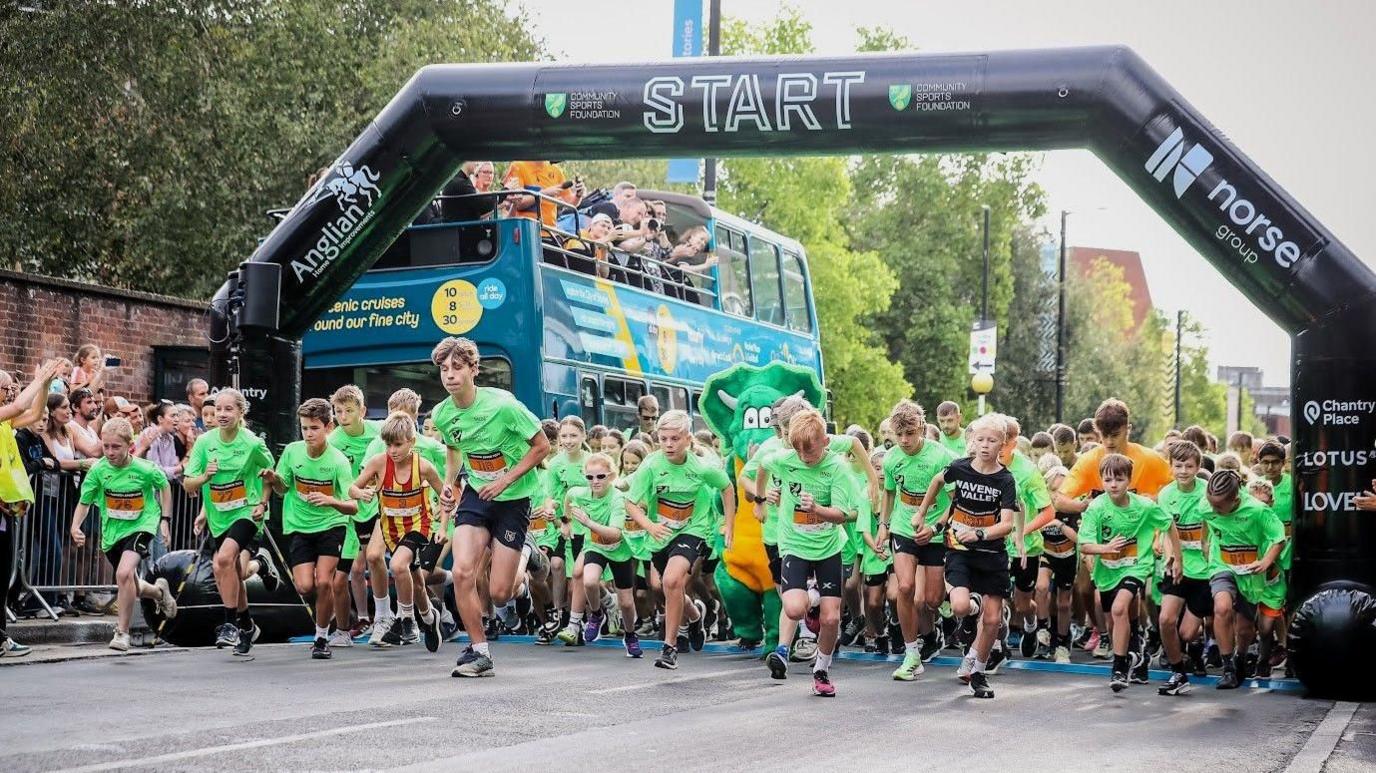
[[41, 656], [93, 630]]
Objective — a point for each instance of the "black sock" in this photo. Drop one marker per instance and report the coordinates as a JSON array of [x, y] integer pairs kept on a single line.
[[1179, 668], [1043, 622], [245, 622], [231, 614], [1120, 664]]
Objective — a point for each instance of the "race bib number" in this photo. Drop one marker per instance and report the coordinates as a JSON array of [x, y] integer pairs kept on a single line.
[[604, 542], [124, 506], [1240, 555], [228, 496], [403, 504], [305, 487], [673, 514], [909, 498], [487, 466], [809, 522], [1127, 556]]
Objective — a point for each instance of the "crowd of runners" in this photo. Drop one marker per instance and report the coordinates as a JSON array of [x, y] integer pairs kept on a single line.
[[990, 540]]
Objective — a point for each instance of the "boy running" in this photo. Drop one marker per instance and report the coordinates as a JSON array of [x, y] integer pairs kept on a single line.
[[1035, 512], [814, 484], [312, 477], [133, 496], [352, 435], [918, 559], [983, 502], [1118, 530], [406, 524], [224, 471], [497, 442], [1271, 459], [1186, 602]]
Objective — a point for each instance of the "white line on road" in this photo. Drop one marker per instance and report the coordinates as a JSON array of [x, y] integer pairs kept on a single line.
[[144, 762], [1323, 740], [675, 680]]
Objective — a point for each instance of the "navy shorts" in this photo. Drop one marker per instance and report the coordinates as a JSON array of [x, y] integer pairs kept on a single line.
[[505, 520]]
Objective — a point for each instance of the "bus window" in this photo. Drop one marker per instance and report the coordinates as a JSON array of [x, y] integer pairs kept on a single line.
[[619, 398], [671, 398], [734, 286], [698, 422], [587, 400], [795, 293], [379, 382], [764, 280]]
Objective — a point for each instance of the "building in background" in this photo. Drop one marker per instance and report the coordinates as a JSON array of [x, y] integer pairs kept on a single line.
[[1270, 404], [1130, 261]]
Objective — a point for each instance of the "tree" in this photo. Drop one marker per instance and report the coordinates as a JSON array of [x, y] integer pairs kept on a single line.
[[145, 140]]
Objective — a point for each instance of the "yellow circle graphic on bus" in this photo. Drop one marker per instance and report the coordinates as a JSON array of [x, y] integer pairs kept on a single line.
[[455, 307], [666, 339]]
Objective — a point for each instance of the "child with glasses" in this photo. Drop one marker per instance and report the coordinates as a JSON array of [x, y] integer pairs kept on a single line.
[[601, 509]]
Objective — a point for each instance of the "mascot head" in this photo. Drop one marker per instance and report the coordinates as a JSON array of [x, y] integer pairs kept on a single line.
[[736, 401]]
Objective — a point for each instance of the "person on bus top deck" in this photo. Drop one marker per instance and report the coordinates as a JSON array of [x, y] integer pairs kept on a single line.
[[464, 183], [546, 179], [1150, 473], [498, 442], [587, 254], [629, 237]]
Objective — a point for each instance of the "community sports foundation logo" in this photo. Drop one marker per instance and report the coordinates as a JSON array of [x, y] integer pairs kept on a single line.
[[555, 103], [1171, 155]]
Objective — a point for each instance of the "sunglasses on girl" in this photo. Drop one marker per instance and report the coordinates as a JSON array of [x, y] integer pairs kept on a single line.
[[598, 476]]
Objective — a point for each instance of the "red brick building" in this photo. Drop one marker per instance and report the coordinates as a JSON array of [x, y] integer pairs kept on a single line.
[[1130, 261], [159, 339]]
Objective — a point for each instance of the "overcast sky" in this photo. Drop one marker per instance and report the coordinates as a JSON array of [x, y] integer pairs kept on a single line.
[[1287, 82]]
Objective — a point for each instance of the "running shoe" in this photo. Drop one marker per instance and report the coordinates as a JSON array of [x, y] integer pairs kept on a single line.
[[822, 686], [570, 634], [668, 658], [966, 667], [1102, 651], [1264, 668], [592, 629], [472, 664], [997, 654], [11, 648], [430, 630], [227, 635], [321, 649], [545, 635], [931, 645], [507, 614], [1228, 680], [167, 604], [1141, 671], [1043, 644], [872, 645], [1278, 657], [896, 646], [681, 643], [979, 685], [778, 665], [1062, 654], [632, 643], [246, 640], [409, 633], [1213, 656], [1178, 684], [697, 634], [910, 669], [120, 641], [1195, 652], [396, 632], [1028, 644], [267, 571], [362, 627], [1118, 682], [804, 650], [851, 632], [383, 627], [341, 639], [1091, 642], [1246, 666]]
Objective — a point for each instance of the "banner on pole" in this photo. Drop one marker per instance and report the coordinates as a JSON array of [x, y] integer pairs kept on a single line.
[[687, 41]]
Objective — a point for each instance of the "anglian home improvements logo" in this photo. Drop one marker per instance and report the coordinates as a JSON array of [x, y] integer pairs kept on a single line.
[[355, 191], [1249, 230]]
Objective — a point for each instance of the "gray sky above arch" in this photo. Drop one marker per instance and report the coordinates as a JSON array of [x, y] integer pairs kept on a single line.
[[1285, 82]]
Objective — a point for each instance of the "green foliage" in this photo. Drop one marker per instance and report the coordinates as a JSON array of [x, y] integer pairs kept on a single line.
[[145, 140]]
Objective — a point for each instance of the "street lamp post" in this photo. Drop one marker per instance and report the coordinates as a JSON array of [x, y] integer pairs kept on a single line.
[[1060, 327]]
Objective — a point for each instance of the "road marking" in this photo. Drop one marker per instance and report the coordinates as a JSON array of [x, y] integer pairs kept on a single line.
[[675, 680], [1323, 740], [144, 762]]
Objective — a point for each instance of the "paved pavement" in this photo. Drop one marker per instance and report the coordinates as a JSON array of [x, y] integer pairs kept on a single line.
[[592, 708]]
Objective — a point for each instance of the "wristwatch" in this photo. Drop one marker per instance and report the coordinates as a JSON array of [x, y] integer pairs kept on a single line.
[[979, 535], [758, 499]]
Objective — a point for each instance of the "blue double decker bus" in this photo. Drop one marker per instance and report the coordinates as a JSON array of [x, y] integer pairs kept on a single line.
[[568, 341]]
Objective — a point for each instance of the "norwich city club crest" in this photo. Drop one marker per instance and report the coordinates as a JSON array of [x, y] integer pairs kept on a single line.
[[899, 96], [555, 104]]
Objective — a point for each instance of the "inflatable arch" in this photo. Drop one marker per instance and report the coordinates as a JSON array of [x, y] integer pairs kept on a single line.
[[1106, 99]]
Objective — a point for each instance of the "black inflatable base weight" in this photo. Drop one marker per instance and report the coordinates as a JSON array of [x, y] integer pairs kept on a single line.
[[1332, 639]]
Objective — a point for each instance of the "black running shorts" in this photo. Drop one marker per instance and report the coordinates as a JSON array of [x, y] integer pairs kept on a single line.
[[137, 542], [978, 572], [306, 548], [623, 572], [827, 571], [505, 520]]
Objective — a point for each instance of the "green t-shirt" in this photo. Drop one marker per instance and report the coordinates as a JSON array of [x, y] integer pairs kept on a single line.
[[127, 497], [803, 534], [492, 435], [1187, 509], [565, 474], [678, 495], [607, 510], [1033, 496], [544, 531], [956, 444], [235, 488], [908, 478], [1283, 505], [430, 449], [329, 473], [855, 500], [770, 531], [356, 449], [1138, 522], [867, 522], [1242, 537]]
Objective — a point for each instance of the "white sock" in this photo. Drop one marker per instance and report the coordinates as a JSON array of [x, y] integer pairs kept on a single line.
[[575, 618], [481, 649], [406, 611], [321, 633], [383, 607], [979, 664], [913, 646], [823, 662]]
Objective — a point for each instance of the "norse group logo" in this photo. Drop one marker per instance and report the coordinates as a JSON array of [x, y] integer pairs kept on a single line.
[[1171, 154], [900, 95], [555, 103]]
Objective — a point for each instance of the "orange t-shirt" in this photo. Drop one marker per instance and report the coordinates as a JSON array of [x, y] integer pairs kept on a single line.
[[1150, 473], [523, 175]]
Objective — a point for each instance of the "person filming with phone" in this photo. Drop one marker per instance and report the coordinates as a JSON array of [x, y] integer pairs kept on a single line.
[[546, 179]]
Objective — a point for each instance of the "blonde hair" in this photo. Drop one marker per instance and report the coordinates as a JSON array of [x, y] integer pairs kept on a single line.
[[996, 423], [120, 428], [398, 428], [404, 400], [239, 400], [349, 393], [1012, 428], [462, 348], [1258, 486], [675, 420], [1053, 470], [602, 459], [576, 421], [906, 415], [806, 426]]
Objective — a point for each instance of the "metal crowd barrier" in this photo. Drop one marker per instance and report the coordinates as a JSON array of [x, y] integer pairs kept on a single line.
[[49, 567]]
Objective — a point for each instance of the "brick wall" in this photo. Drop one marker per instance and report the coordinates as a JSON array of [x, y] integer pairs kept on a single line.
[[43, 317]]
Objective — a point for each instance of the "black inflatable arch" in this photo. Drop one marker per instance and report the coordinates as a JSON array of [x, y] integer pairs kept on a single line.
[[1105, 99]]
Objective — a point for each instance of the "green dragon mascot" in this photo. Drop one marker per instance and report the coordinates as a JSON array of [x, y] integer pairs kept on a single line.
[[735, 404]]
